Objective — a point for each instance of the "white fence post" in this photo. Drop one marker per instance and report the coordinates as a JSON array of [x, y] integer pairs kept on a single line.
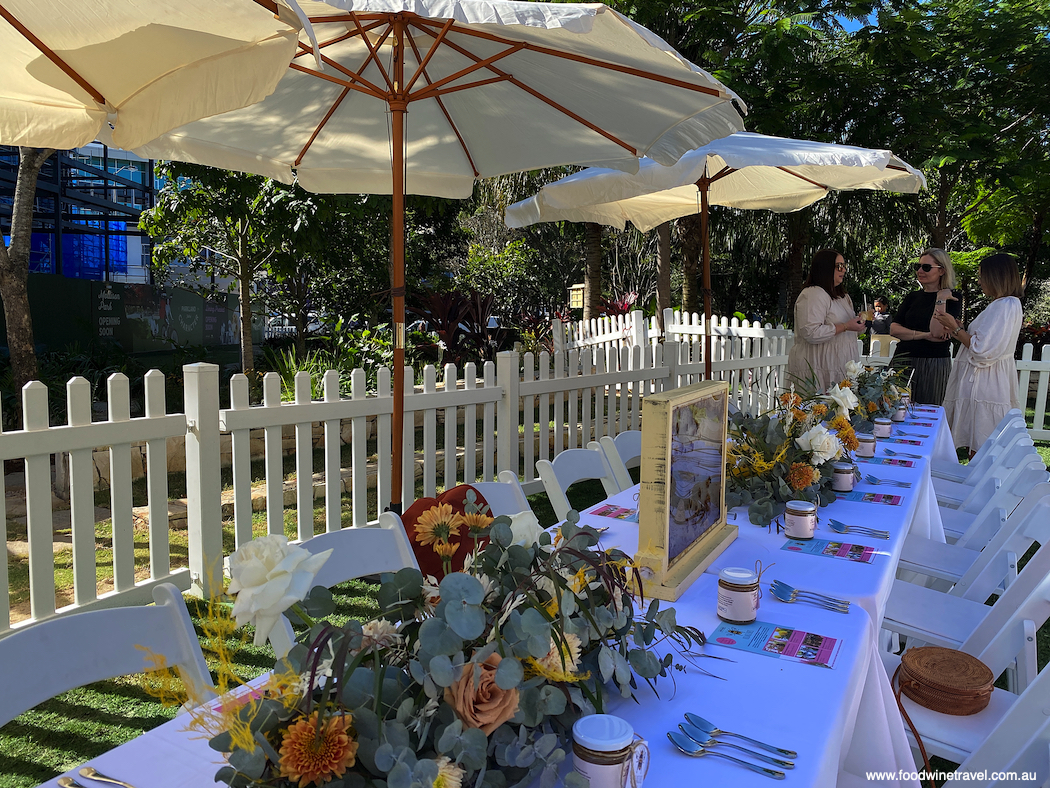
[[558, 330], [639, 332], [508, 378], [38, 506], [203, 478], [82, 495]]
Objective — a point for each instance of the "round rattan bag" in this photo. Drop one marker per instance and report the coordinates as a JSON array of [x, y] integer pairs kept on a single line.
[[944, 680]]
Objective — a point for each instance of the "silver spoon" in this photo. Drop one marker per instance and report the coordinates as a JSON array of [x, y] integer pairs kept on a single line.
[[68, 782], [690, 747], [710, 728], [93, 774], [705, 740]]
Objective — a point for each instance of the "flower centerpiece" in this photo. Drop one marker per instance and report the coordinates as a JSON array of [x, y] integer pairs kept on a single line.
[[876, 391], [475, 680], [786, 454]]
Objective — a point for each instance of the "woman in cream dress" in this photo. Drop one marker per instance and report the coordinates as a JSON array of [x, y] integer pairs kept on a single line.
[[826, 325], [983, 383]]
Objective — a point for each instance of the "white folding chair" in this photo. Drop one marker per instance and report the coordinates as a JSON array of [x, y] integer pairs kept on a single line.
[[356, 552], [960, 619], [70, 651], [960, 563], [969, 523], [1003, 462], [569, 467], [504, 496], [954, 471], [1011, 734], [622, 452]]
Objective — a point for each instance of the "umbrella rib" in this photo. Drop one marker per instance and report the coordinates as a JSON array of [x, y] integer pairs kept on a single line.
[[354, 76], [465, 86], [430, 53], [804, 178], [372, 53], [590, 61], [335, 80], [321, 125], [721, 174], [67, 69], [536, 94], [441, 104], [433, 87], [304, 51]]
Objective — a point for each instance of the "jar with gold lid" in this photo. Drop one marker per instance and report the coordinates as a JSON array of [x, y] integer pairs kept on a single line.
[[800, 519], [865, 445], [737, 595], [882, 427]]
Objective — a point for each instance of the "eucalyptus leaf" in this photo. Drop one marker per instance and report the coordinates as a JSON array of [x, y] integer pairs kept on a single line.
[[250, 764], [384, 757], [436, 637], [460, 587], [400, 776], [221, 742], [449, 736], [645, 663], [466, 620], [441, 671], [501, 534], [606, 662], [472, 747], [509, 673]]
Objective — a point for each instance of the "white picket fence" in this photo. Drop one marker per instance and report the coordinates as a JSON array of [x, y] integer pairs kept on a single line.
[[469, 426]]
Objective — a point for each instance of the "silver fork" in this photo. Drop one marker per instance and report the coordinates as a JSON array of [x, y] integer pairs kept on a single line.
[[890, 482], [890, 453], [912, 434], [842, 528], [786, 593]]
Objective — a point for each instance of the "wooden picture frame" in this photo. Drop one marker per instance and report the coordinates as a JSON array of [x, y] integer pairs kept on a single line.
[[682, 524]]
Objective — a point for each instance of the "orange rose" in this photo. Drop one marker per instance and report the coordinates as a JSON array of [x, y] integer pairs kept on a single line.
[[484, 706]]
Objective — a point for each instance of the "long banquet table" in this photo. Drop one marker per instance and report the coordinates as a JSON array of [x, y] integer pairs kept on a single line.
[[842, 721]]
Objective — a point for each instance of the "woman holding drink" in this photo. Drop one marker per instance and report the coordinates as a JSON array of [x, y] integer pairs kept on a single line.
[[826, 326], [923, 347]]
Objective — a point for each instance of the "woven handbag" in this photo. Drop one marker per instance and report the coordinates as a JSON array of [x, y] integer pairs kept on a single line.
[[943, 680]]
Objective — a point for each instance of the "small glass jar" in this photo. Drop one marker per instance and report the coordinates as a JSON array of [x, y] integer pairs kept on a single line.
[[800, 519], [900, 414], [906, 401], [737, 595], [865, 445], [604, 751], [882, 427], [842, 477]]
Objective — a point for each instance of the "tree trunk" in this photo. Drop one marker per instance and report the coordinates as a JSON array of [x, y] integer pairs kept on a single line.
[[1035, 241], [592, 277], [663, 272], [692, 248], [14, 268], [245, 279], [798, 240], [300, 333]]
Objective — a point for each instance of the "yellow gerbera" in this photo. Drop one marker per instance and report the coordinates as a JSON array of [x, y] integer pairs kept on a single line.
[[477, 523], [438, 523]]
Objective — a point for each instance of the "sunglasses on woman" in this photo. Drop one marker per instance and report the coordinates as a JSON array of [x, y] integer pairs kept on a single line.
[[926, 267]]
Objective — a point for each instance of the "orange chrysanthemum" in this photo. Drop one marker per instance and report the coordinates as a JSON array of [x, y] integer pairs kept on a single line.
[[846, 384], [477, 523], [848, 437], [790, 399], [819, 410], [800, 476], [799, 415], [438, 523], [444, 549], [308, 758], [872, 407]]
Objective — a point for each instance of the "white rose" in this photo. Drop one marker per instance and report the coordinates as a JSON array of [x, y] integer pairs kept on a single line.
[[268, 575], [853, 370], [822, 443], [844, 399], [525, 528]]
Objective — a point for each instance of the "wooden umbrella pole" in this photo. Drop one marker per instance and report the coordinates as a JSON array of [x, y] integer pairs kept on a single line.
[[704, 184], [398, 107]]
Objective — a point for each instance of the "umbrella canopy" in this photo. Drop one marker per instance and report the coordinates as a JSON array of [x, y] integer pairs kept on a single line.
[[425, 96], [743, 170], [146, 66]]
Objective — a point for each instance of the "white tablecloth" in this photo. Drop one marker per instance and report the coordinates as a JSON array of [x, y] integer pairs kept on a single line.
[[843, 722]]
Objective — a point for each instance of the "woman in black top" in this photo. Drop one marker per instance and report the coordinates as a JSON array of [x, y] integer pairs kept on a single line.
[[922, 348]]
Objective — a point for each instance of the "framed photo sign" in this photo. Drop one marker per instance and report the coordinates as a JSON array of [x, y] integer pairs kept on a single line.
[[682, 524]]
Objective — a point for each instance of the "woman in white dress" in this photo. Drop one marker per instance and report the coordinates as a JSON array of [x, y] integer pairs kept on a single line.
[[983, 383], [826, 326]]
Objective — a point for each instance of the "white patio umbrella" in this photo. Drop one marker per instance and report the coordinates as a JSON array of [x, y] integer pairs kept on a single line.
[[426, 96], [145, 66], [743, 170]]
